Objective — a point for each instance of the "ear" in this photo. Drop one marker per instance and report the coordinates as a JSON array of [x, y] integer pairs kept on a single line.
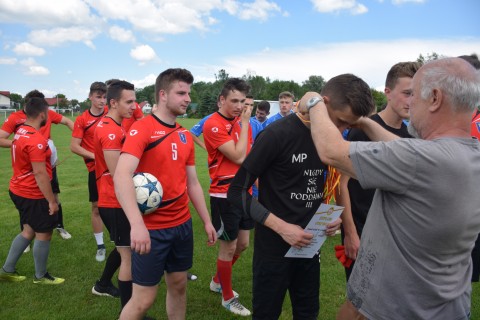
[[436, 100], [387, 90]]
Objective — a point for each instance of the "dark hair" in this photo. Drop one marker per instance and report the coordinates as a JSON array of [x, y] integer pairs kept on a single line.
[[167, 77], [115, 89], [235, 84], [249, 96], [264, 105], [34, 94], [98, 87], [348, 90], [472, 59], [109, 82], [35, 106], [401, 70], [286, 94]]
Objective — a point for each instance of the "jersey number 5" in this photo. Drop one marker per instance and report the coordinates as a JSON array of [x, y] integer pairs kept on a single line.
[[174, 151]]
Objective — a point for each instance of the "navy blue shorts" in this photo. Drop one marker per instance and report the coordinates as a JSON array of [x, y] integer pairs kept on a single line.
[[171, 251], [34, 212], [228, 219], [117, 225], [92, 187]]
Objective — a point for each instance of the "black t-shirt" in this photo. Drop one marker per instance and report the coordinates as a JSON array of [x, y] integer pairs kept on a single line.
[[291, 179], [361, 199]]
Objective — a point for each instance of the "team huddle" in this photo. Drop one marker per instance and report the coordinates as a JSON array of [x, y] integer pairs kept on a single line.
[[397, 168]]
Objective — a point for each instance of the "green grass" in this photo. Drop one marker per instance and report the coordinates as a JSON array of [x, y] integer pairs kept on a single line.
[[74, 259]]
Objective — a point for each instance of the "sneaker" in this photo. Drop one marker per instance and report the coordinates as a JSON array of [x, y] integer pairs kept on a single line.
[[191, 276], [64, 233], [27, 249], [234, 306], [11, 276], [109, 291], [48, 279], [100, 256], [217, 288]]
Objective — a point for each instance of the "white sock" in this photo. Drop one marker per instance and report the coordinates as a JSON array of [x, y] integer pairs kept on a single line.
[[99, 238]]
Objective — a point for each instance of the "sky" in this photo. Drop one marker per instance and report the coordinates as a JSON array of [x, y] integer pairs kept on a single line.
[[63, 46]]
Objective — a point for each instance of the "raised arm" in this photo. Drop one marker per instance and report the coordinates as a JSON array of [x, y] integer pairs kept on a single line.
[[237, 152]]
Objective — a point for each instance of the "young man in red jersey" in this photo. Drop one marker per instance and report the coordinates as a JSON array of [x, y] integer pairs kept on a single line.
[[31, 192], [82, 145], [227, 135], [14, 121], [162, 241], [108, 140], [137, 113]]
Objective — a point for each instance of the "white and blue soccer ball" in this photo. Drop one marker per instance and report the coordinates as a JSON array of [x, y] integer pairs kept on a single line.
[[148, 190]]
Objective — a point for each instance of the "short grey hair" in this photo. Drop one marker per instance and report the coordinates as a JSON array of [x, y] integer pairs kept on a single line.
[[460, 83]]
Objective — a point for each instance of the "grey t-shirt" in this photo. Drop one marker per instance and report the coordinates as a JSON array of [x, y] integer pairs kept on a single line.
[[414, 259]]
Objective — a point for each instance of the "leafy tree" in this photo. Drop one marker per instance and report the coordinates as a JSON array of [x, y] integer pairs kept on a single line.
[[85, 105], [146, 94], [379, 98], [278, 86], [429, 57], [314, 83], [17, 100]]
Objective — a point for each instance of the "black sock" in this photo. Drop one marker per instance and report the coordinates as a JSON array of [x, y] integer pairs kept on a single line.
[[111, 266], [125, 288], [60, 216]]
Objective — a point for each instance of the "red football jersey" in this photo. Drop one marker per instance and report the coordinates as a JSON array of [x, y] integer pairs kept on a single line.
[[84, 129], [137, 114], [16, 119], [217, 131], [109, 135], [164, 151], [476, 125], [28, 146]]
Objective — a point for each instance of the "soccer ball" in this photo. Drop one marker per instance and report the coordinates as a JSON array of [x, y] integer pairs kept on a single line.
[[149, 192]]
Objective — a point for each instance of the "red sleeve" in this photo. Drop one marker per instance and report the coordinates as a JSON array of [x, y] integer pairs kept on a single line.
[[11, 123], [215, 133], [137, 113], [36, 151], [54, 116], [137, 139], [78, 127], [110, 139]]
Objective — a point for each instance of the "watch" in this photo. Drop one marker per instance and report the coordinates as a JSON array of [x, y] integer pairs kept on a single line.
[[313, 102]]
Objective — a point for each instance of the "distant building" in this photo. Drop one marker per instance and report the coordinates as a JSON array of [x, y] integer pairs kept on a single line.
[[5, 100], [145, 106]]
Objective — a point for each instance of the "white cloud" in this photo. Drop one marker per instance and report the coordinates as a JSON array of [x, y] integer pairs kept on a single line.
[[10, 61], [58, 36], [120, 34], [143, 53], [259, 9], [47, 13], [369, 60], [326, 6], [147, 81], [27, 49], [28, 62], [37, 71]]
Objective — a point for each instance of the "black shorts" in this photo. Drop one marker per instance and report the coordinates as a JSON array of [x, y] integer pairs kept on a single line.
[[92, 187], [228, 219], [54, 181], [171, 251], [34, 212], [117, 225], [273, 276]]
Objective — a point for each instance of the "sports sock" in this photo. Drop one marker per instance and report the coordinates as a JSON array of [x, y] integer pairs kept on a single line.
[[99, 239], [60, 216], [40, 256], [224, 270], [235, 258], [19, 244], [111, 266], [125, 288]]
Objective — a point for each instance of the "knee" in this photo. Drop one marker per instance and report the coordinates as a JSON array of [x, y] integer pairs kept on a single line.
[[241, 246]]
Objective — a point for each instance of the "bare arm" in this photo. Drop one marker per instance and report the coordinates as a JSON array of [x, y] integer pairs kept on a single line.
[[67, 122], [293, 234], [374, 131], [195, 193], [4, 141], [238, 152], [331, 147], [111, 159], [351, 241], [125, 192], [199, 142], [43, 182], [75, 147]]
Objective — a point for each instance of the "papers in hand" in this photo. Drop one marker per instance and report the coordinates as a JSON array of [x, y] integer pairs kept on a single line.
[[318, 224]]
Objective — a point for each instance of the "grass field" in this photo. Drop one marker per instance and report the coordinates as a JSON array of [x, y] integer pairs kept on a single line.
[[74, 259]]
